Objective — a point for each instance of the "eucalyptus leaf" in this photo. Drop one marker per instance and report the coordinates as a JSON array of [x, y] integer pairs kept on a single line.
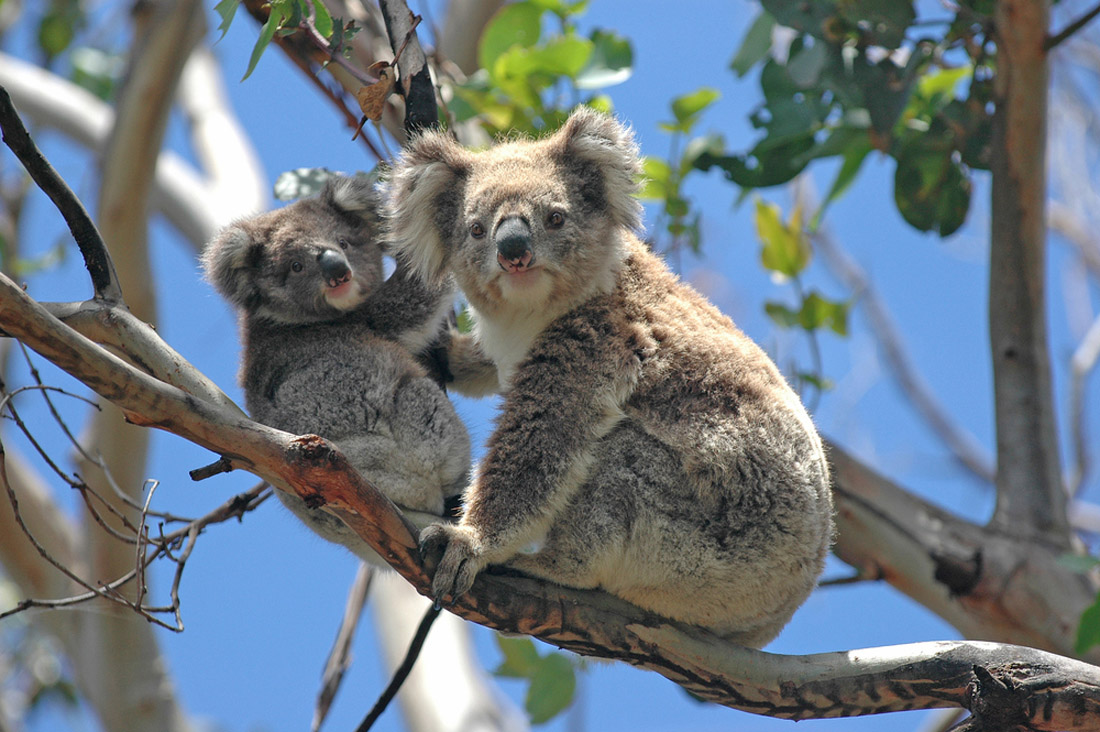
[[552, 688], [300, 183], [1088, 632], [226, 9], [518, 24], [610, 62], [755, 45], [521, 658], [784, 248]]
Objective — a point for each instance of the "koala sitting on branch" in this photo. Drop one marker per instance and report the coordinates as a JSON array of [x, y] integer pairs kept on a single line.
[[328, 349], [645, 445]]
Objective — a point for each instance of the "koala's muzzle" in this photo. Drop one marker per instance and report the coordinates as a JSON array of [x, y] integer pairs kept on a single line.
[[334, 268], [513, 240]]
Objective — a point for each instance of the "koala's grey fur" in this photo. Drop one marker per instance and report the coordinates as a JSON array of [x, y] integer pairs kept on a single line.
[[327, 349], [645, 445]]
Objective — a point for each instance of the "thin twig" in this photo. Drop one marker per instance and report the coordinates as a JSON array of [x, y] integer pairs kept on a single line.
[[339, 658], [402, 671], [1057, 38], [1084, 360], [96, 258], [965, 449]]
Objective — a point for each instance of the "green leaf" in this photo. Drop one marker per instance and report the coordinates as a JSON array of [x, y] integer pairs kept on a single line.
[[781, 315], [931, 190], [1088, 632], [562, 56], [611, 61], [806, 66], [274, 20], [814, 18], [322, 20], [943, 82], [96, 70], [770, 163], [815, 380], [552, 688], [56, 31], [657, 177], [521, 658], [785, 249], [465, 323], [885, 20], [226, 9], [755, 45], [853, 160], [688, 107], [513, 25], [818, 312], [1079, 563], [300, 183]]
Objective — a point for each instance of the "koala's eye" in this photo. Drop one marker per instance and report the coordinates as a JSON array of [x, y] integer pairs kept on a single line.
[[555, 220], [296, 266], [477, 230], [342, 242]]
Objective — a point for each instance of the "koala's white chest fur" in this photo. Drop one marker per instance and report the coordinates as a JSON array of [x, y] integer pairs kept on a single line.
[[506, 340]]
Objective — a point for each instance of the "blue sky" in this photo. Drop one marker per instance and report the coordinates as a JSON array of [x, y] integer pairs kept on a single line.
[[262, 600]]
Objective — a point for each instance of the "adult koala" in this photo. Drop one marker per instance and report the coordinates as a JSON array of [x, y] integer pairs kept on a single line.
[[645, 445]]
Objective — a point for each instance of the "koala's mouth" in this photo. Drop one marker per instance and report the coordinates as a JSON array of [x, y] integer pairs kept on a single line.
[[341, 293], [523, 263], [335, 282]]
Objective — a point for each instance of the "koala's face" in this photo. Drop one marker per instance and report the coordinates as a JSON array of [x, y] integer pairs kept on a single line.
[[524, 225], [308, 262]]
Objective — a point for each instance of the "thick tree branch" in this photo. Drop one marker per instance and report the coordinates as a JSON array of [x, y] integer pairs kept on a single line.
[[1031, 500], [987, 585], [588, 622]]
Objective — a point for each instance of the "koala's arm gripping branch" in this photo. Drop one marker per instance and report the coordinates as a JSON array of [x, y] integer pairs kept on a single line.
[[565, 396], [96, 257]]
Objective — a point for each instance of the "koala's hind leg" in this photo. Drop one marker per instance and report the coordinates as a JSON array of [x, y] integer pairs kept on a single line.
[[590, 543]]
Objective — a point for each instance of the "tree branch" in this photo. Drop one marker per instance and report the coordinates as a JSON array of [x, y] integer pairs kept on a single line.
[[588, 622], [984, 583], [1069, 30], [91, 245], [421, 112], [177, 190], [1031, 500]]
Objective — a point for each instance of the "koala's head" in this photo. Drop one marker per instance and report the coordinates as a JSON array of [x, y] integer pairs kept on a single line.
[[526, 224], [307, 262]]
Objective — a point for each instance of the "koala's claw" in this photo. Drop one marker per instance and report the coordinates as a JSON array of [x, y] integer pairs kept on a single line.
[[457, 567]]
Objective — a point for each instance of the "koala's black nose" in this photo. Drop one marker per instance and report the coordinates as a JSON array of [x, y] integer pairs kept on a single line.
[[513, 239], [334, 268]]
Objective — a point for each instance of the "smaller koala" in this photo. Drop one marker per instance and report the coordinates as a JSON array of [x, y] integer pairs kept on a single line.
[[328, 349], [645, 445]]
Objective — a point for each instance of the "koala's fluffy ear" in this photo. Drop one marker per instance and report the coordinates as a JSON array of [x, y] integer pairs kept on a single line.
[[354, 194], [228, 260], [424, 200], [608, 147]]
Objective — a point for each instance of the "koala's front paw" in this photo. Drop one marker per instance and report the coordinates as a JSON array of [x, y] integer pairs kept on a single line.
[[460, 563]]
